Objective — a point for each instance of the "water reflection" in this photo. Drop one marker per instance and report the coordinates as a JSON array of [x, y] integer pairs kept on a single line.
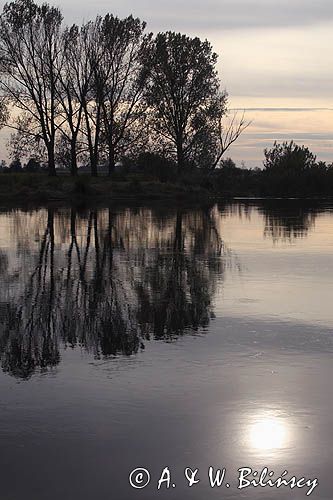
[[252, 391], [284, 220], [105, 281], [110, 280], [268, 432], [294, 219]]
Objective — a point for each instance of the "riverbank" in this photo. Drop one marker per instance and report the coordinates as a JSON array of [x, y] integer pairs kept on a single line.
[[195, 186], [42, 188]]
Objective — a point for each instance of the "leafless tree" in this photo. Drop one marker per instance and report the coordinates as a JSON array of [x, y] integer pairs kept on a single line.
[[78, 125], [92, 94], [228, 131], [124, 78], [29, 48]]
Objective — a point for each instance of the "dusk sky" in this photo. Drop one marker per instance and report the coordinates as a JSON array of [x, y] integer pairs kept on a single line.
[[275, 60]]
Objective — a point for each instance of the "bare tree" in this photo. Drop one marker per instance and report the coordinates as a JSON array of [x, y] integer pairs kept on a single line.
[[29, 48], [69, 93], [124, 76], [228, 131], [92, 96], [75, 89], [26, 138]]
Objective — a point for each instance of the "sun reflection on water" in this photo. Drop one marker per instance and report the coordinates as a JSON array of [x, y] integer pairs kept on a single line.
[[268, 431]]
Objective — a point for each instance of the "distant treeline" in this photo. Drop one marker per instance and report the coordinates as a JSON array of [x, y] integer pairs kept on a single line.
[[289, 170], [107, 91]]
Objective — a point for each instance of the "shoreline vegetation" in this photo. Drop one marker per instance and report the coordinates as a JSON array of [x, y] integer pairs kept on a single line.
[[290, 171], [110, 110], [198, 186]]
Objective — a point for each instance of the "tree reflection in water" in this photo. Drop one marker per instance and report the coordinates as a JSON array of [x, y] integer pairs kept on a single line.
[[294, 219], [284, 219], [105, 281]]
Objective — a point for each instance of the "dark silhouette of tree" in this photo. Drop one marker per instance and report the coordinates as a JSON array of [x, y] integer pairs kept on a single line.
[[29, 47], [92, 99], [72, 82], [33, 165], [228, 164], [15, 165], [80, 58], [288, 157], [184, 92], [120, 68], [226, 133]]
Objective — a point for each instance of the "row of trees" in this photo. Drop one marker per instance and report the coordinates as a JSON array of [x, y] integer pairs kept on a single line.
[[108, 89]]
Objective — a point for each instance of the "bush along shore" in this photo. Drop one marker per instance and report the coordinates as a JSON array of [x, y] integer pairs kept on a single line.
[[289, 171]]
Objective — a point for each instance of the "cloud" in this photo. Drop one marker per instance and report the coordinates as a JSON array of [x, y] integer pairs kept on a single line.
[[311, 127], [195, 15], [279, 110]]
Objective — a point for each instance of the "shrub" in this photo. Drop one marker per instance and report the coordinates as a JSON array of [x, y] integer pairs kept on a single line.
[[288, 157]]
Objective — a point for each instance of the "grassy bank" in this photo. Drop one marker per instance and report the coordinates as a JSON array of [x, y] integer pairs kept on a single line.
[[42, 188], [195, 185]]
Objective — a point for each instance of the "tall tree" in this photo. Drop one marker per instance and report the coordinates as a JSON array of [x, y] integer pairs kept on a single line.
[[81, 91], [91, 93], [124, 78], [72, 83], [184, 92], [29, 48]]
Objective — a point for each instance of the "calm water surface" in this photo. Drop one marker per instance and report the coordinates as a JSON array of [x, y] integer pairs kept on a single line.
[[165, 337]]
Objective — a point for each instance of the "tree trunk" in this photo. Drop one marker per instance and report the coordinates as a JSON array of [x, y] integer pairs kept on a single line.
[[93, 165], [73, 158], [112, 163], [180, 156], [51, 160]]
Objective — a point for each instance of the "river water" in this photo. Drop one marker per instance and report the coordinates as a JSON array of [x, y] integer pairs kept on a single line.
[[166, 338]]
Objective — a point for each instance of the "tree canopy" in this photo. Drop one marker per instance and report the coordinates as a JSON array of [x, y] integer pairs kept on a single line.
[[288, 156], [184, 93]]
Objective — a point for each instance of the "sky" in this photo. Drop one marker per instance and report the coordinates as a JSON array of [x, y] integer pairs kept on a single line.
[[275, 61]]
